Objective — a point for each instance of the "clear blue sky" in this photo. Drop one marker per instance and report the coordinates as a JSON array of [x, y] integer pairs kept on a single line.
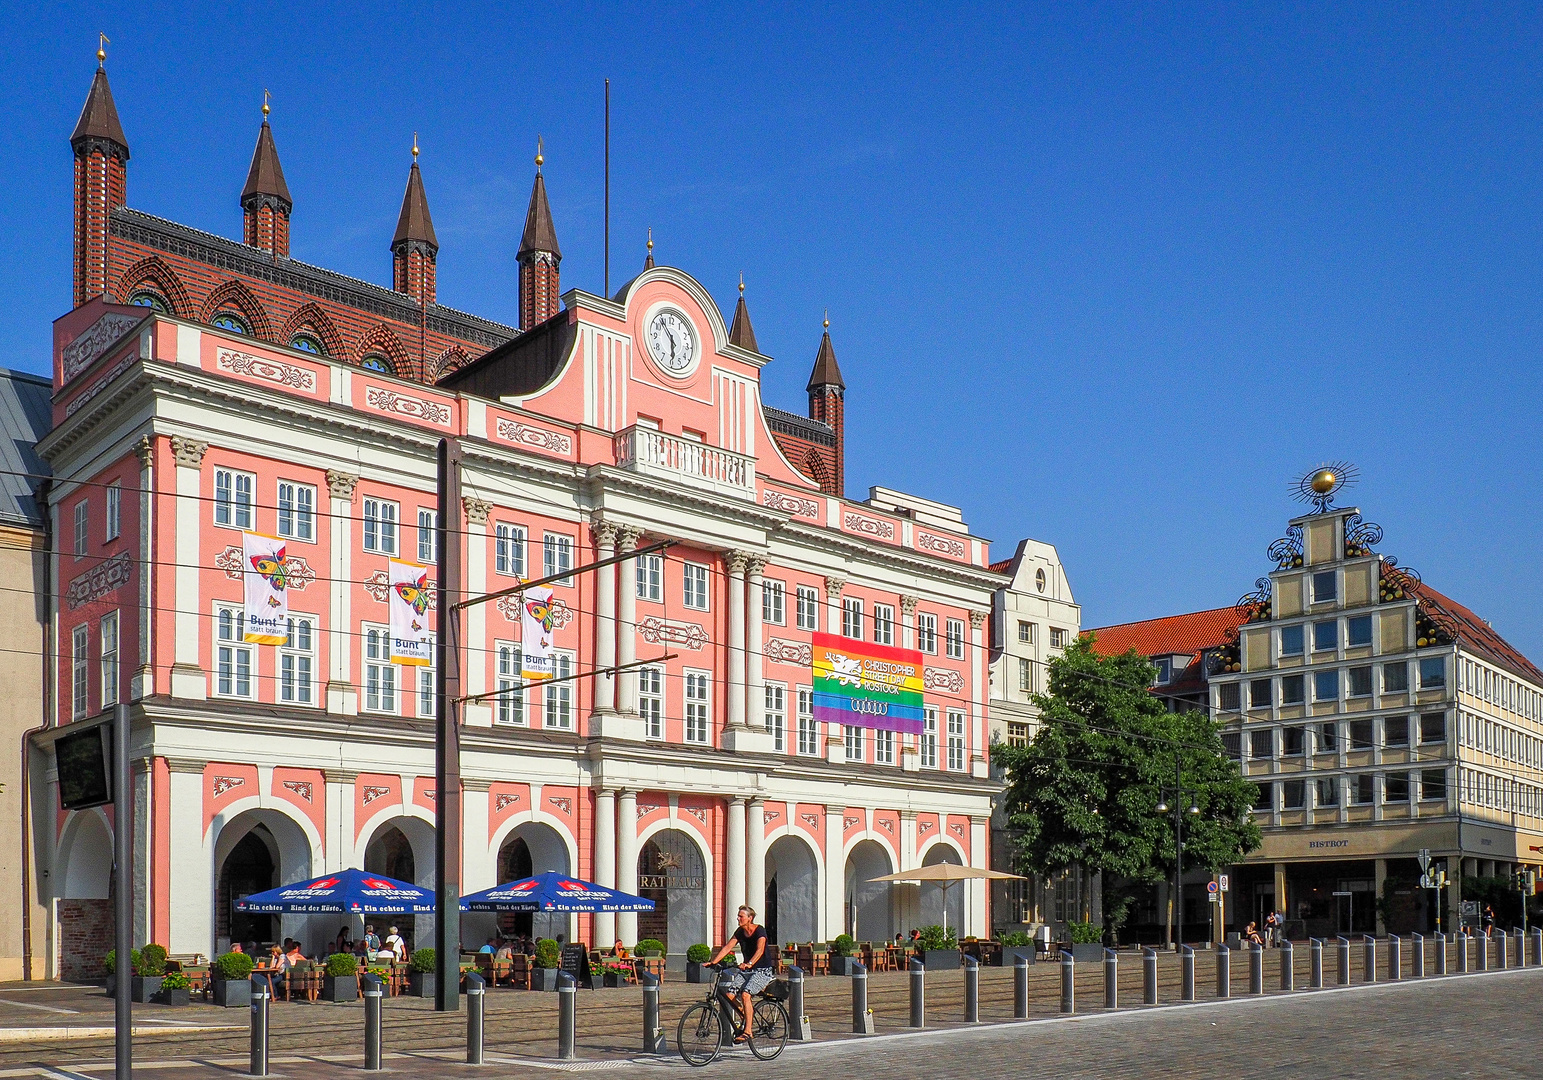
[[1107, 276]]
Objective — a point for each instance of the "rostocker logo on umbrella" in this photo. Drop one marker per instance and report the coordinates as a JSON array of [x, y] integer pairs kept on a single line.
[[376, 883], [571, 886], [324, 883]]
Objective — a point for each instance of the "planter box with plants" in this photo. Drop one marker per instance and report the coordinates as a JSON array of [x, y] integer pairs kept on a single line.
[[149, 969], [841, 954], [543, 973], [649, 949], [939, 949], [175, 989], [1087, 941], [110, 965], [231, 976], [696, 956], [341, 981], [1016, 943], [420, 976]]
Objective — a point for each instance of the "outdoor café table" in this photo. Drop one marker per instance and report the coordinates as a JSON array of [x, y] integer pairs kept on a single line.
[[654, 965], [268, 973]]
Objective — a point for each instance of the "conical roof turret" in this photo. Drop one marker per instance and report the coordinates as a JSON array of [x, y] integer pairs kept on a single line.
[[266, 176], [99, 116], [741, 333], [415, 222], [826, 371]]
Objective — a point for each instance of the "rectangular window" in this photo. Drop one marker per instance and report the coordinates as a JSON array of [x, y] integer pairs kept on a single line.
[[80, 662], [884, 747], [808, 608], [1433, 784], [776, 716], [1363, 789], [1025, 675], [650, 574], [1326, 686], [808, 728], [1395, 678], [297, 661], [1395, 788], [926, 632], [511, 691], [1395, 732], [851, 617], [428, 523], [1293, 741], [1291, 639], [509, 549], [114, 511], [1026, 632], [426, 696], [1232, 744], [558, 696], [651, 701], [297, 511], [774, 603], [557, 557], [1433, 672], [233, 498], [1292, 689], [82, 527], [380, 518], [1358, 631], [1261, 744], [694, 585], [1328, 792], [1293, 794], [109, 659], [233, 658], [1259, 694], [1328, 738], [1433, 728], [854, 742], [955, 740], [929, 737], [1229, 698], [883, 624], [1057, 638], [1264, 797], [1359, 680], [1325, 636], [1164, 666], [1325, 586], [697, 690], [379, 671], [953, 639], [1361, 735]]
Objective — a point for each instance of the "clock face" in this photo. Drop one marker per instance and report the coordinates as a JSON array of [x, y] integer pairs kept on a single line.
[[671, 342]]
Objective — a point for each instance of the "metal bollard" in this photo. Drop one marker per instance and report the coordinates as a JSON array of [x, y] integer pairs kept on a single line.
[[1223, 971], [1441, 954], [1149, 976], [801, 1031], [1537, 946], [971, 990], [1068, 983], [1483, 942], [259, 1062], [653, 1034], [1462, 954], [1502, 950], [1020, 987], [1288, 973], [372, 990], [1521, 948], [862, 1018], [1395, 958], [1187, 966], [1316, 950], [1369, 958], [1111, 979], [476, 991], [1256, 968], [567, 1016], [918, 994], [1417, 956], [1344, 961]]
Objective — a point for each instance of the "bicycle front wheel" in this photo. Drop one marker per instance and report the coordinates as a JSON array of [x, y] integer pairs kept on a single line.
[[700, 1034], [768, 1029]]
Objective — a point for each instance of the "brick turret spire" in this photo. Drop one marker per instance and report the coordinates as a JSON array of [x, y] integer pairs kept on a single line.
[[265, 200], [414, 248], [538, 257], [101, 180], [827, 403], [741, 333]]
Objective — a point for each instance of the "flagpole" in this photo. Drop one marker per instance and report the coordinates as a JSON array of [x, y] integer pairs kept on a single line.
[[447, 736]]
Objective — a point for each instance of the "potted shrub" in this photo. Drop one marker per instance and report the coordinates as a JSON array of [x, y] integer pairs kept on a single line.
[[175, 988], [110, 965], [543, 974], [696, 956], [649, 947], [420, 973], [341, 981], [149, 969], [231, 975], [1087, 941], [939, 949], [1016, 943], [614, 973], [841, 954]]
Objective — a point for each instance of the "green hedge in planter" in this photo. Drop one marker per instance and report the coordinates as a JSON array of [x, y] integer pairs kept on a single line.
[[423, 962], [1015, 939], [650, 947], [843, 945], [233, 967], [175, 981], [341, 965], [935, 937], [151, 961], [110, 961], [698, 954], [1084, 933], [548, 955]]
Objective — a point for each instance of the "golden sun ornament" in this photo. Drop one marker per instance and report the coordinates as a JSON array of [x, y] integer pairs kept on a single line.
[[1319, 486]]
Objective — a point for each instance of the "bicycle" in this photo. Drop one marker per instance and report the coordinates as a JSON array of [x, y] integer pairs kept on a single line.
[[700, 1036]]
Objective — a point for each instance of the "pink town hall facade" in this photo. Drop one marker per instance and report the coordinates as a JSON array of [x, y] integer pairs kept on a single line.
[[702, 781]]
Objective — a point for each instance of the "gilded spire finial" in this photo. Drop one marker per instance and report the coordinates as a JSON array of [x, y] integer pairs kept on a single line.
[[102, 41], [266, 95], [539, 158], [415, 148], [742, 283], [650, 238], [827, 318]]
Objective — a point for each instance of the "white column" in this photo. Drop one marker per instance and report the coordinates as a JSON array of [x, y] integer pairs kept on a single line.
[[605, 862], [142, 684], [978, 765], [980, 857], [342, 693], [605, 612], [474, 669], [627, 861], [910, 899], [755, 678], [755, 857], [835, 875], [833, 587], [338, 839], [479, 862], [626, 628], [734, 873], [187, 677], [736, 563], [192, 900]]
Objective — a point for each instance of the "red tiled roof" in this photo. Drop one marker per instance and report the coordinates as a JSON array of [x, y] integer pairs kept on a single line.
[[1187, 634], [1479, 635], [1000, 567]]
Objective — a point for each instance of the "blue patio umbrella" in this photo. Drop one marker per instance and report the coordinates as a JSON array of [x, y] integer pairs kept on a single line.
[[351, 892], [553, 891]]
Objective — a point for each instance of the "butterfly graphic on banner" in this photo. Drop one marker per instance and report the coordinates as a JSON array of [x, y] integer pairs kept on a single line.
[[542, 611], [274, 570], [416, 594]]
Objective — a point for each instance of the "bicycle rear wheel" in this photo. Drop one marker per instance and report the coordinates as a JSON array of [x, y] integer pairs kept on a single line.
[[699, 1036], [768, 1029]]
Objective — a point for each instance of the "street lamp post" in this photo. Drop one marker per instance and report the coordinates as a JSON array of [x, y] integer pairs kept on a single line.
[[1178, 792]]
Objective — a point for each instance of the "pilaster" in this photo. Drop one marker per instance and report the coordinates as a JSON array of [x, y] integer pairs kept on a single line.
[[188, 679], [474, 674], [342, 693], [734, 872], [142, 682], [605, 861]]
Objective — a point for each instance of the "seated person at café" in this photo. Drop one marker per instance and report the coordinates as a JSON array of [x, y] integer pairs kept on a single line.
[[620, 951], [490, 947], [505, 951]]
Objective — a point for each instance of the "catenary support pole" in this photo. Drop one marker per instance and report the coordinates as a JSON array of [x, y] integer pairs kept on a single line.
[[447, 734], [123, 900]]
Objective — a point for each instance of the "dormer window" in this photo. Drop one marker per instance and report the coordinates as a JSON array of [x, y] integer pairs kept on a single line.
[[1164, 670]]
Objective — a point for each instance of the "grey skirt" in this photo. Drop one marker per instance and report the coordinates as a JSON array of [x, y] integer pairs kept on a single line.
[[749, 982]]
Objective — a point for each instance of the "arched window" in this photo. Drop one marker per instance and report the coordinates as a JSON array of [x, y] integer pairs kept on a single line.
[[1039, 580], [308, 343], [229, 320], [377, 362], [152, 300]]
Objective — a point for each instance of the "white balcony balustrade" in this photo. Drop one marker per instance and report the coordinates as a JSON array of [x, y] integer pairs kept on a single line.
[[686, 461]]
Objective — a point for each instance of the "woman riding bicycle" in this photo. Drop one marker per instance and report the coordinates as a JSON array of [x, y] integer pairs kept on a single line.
[[757, 965]]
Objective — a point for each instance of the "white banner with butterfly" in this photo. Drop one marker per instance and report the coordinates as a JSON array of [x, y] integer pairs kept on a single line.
[[267, 589], [536, 626], [407, 595]]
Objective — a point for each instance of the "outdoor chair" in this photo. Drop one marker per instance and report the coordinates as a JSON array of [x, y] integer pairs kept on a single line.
[[517, 974]]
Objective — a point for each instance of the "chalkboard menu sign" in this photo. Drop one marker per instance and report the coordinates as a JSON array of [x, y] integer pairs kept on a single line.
[[575, 962]]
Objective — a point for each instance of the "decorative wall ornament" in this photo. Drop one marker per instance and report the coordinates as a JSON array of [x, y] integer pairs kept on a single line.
[[274, 371], [100, 580], [1255, 606], [188, 452], [755, 565], [834, 586], [655, 630], [477, 510], [1361, 536], [540, 438], [301, 788], [644, 809], [78, 402], [1286, 553], [883, 530], [887, 825], [604, 532], [563, 804], [1319, 486], [81, 353], [222, 784], [698, 813], [736, 561], [378, 397], [942, 679], [298, 572], [849, 821], [145, 450], [371, 793], [341, 484], [925, 827], [790, 504], [509, 608], [773, 815], [504, 801], [957, 829], [908, 605], [978, 619], [942, 545], [379, 587], [810, 819], [797, 653]]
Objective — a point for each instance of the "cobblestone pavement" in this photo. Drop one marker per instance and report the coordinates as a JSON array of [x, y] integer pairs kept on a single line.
[[1351, 1032]]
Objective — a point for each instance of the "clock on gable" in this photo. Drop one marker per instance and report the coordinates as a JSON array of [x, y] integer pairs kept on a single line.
[[671, 341]]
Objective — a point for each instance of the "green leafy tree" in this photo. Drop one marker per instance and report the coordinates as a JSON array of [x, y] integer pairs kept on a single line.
[[1085, 791]]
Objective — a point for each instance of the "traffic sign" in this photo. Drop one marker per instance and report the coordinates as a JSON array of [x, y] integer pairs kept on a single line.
[[1222, 880], [1424, 859], [1212, 888], [1213, 896]]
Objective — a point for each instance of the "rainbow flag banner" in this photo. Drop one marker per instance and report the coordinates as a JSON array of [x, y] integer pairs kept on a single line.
[[865, 685]]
